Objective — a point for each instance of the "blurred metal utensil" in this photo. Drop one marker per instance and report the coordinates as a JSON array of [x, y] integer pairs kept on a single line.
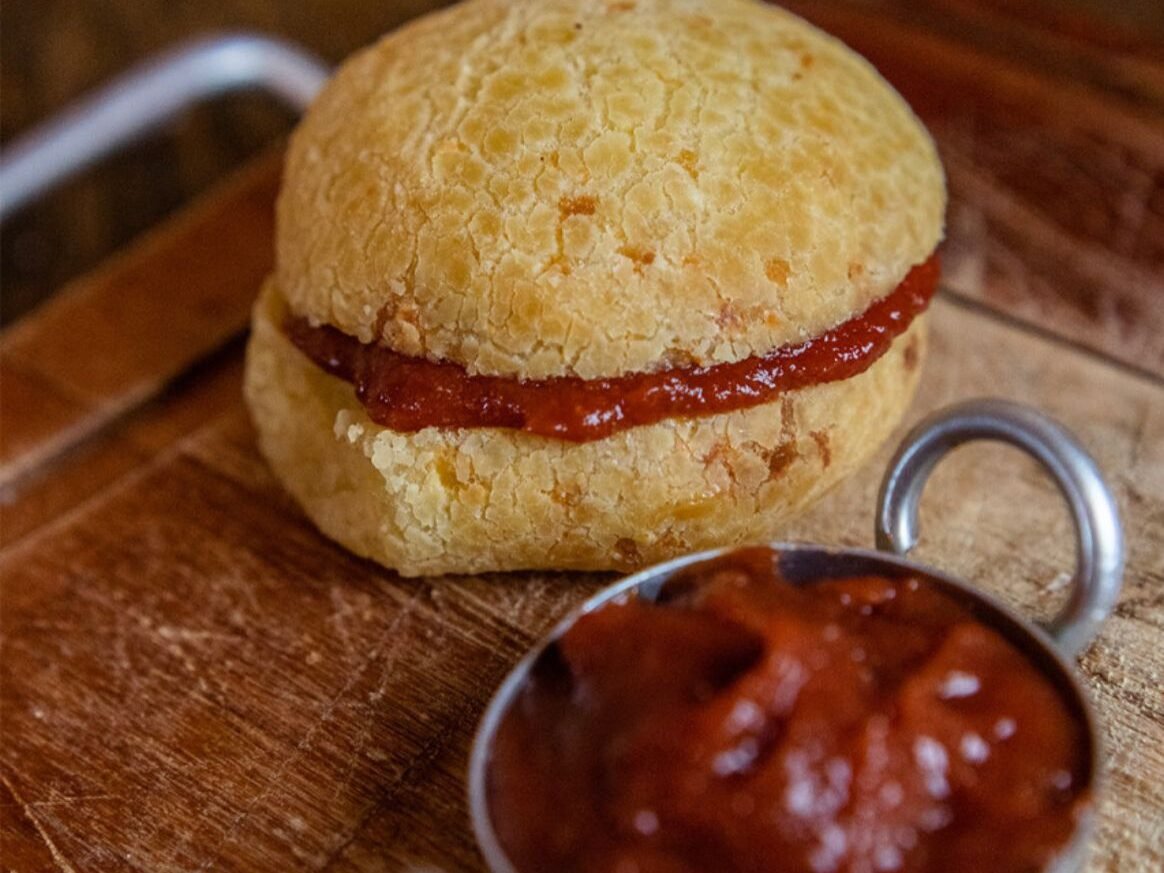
[[146, 97]]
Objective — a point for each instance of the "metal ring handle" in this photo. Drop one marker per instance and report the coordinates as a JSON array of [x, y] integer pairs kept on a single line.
[[1099, 554], [147, 96]]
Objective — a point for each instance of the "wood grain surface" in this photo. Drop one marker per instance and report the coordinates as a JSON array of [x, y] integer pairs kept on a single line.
[[192, 679]]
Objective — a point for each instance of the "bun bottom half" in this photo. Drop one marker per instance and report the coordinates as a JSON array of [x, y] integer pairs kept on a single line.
[[486, 499]]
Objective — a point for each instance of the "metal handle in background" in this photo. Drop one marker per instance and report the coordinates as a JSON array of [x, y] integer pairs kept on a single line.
[[145, 97], [1099, 556]]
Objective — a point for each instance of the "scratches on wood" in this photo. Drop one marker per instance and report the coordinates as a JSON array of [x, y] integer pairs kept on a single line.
[[322, 720], [26, 808]]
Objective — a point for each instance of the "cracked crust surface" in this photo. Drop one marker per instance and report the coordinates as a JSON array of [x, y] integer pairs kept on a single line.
[[534, 188], [486, 499]]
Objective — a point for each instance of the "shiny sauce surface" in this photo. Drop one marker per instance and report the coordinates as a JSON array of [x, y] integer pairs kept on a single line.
[[746, 724], [408, 394]]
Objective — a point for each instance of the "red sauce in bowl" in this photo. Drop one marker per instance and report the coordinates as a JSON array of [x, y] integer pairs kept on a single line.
[[407, 394], [746, 724]]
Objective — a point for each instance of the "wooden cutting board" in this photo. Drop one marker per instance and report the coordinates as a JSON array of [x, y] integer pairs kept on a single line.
[[192, 679]]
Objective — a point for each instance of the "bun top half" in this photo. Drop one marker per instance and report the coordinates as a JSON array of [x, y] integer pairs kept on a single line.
[[535, 188]]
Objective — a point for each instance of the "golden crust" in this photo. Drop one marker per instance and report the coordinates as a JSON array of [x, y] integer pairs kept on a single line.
[[469, 501], [545, 187]]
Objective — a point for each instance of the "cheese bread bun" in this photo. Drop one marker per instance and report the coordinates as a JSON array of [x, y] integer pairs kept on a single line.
[[588, 284]]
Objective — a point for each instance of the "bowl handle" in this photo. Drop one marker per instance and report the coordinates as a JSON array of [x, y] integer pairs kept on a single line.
[[1099, 553]]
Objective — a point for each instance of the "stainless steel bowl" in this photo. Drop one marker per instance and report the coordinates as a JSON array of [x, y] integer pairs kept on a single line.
[[1094, 588]]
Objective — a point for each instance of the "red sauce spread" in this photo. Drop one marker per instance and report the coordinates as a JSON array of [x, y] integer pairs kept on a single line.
[[407, 394], [747, 724]]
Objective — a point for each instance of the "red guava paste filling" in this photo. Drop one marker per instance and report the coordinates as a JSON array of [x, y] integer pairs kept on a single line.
[[747, 725], [408, 394]]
